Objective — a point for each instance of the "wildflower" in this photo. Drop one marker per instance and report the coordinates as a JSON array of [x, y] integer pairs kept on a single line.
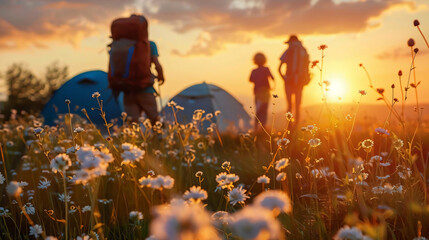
[[136, 215], [199, 174], [405, 173], [221, 218], [383, 178], [376, 158], [38, 131], [281, 177], [182, 221], [217, 112], [225, 180], [78, 130], [380, 91], [386, 164], [314, 142], [362, 92], [171, 104], [13, 189], [382, 131], [283, 142], [323, 47], [36, 230], [93, 163], [160, 182], [195, 194], [281, 164], [67, 101], [255, 223], [60, 163], [4, 212], [349, 117], [298, 176], [263, 179], [180, 108], [2, 179], [237, 195], [96, 95], [398, 143], [274, 199], [86, 208], [289, 116], [367, 144], [198, 114], [29, 209], [226, 164], [200, 145], [44, 183], [131, 154], [51, 238], [209, 115], [347, 233]]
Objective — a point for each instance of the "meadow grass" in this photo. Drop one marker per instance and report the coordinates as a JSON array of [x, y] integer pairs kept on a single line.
[[334, 178]]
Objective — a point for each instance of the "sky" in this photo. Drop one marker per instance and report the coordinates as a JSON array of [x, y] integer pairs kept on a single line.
[[214, 41]]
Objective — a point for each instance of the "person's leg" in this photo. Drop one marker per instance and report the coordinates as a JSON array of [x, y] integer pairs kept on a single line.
[[288, 91], [147, 102], [131, 106], [261, 111], [298, 96]]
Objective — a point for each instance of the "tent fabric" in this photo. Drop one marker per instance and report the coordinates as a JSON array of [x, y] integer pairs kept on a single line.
[[210, 98], [79, 90]]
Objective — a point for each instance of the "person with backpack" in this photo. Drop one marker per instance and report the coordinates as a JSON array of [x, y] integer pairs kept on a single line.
[[131, 57], [296, 75], [261, 77]]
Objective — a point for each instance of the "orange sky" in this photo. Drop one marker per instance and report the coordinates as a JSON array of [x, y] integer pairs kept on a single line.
[[214, 41]]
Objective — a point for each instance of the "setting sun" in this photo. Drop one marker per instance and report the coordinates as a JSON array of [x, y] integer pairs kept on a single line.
[[336, 89]]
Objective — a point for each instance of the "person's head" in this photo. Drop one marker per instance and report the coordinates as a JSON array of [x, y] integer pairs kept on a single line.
[[292, 38], [259, 59]]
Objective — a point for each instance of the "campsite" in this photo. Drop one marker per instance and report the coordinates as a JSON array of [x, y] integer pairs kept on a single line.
[[210, 120]]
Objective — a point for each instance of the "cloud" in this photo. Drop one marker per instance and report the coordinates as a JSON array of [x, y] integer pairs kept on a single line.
[[400, 52], [237, 21], [35, 23]]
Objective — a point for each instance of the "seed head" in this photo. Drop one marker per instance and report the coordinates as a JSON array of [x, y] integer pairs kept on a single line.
[[416, 50], [400, 73], [411, 42], [416, 23], [393, 86], [380, 90], [67, 101]]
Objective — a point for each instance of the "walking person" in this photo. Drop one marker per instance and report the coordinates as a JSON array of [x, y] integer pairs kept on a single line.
[[296, 75], [261, 77], [131, 57], [137, 101]]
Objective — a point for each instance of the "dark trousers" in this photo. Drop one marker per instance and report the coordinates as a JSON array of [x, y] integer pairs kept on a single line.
[[136, 102]]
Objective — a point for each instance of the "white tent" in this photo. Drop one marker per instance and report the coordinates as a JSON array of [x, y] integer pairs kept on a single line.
[[210, 98]]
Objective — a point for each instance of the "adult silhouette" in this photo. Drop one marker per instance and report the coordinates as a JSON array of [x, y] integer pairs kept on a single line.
[[296, 75]]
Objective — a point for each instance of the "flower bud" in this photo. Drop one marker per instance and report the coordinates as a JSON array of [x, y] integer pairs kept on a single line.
[[416, 23], [411, 42], [400, 73], [416, 50], [393, 86]]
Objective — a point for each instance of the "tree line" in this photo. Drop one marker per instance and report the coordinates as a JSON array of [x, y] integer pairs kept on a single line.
[[29, 92]]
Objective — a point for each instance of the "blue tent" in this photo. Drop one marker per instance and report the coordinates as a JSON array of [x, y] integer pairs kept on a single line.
[[79, 91], [210, 98]]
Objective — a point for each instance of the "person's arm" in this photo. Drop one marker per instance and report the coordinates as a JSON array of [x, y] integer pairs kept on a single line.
[[158, 69], [280, 69]]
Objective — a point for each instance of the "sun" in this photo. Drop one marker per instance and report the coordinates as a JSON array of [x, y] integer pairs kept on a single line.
[[336, 90]]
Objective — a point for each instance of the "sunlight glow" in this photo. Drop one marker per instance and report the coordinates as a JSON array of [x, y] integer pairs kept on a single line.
[[337, 89]]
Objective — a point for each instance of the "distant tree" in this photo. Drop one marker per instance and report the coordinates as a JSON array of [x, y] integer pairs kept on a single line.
[[55, 76], [28, 92]]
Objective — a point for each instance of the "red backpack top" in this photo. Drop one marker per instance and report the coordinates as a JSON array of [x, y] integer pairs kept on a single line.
[[129, 61]]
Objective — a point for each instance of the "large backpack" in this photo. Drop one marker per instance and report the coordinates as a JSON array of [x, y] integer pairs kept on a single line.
[[129, 61]]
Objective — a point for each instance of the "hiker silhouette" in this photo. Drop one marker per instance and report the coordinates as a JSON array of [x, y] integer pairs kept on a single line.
[[296, 75], [260, 77]]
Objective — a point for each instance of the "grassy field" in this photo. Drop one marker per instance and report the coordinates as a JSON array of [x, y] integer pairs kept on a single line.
[[332, 176]]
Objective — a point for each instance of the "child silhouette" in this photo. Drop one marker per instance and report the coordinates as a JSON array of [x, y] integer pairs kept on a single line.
[[260, 77]]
